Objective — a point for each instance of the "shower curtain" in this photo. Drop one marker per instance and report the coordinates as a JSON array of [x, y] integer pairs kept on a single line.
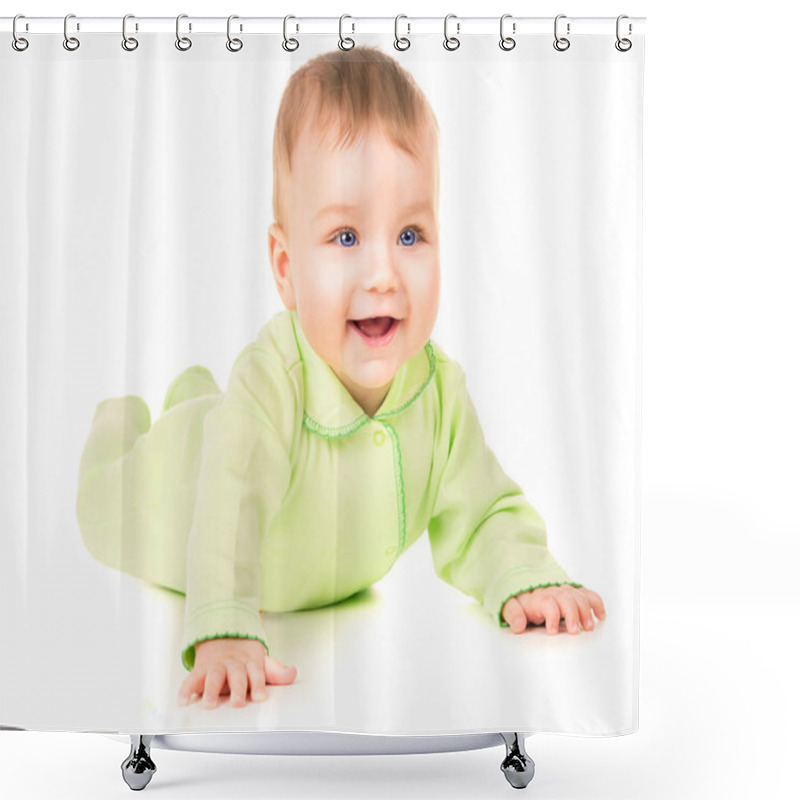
[[321, 343]]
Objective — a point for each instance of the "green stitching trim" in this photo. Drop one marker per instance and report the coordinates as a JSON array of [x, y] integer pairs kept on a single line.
[[334, 433], [504, 624], [431, 371], [399, 488], [345, 430], [188, 663]]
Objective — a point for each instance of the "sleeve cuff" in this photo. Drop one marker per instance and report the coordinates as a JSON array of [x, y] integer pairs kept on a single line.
[[233, 619], [523, 579]]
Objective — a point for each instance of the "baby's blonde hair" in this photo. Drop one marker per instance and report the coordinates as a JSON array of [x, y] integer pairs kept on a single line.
[[359, 90]]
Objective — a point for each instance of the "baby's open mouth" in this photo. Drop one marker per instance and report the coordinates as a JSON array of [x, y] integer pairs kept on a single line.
[[374, 327], [376, 332]]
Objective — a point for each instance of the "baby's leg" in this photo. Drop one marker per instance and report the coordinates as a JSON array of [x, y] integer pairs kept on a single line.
[[193, 382], [118, 423], [137, 483]]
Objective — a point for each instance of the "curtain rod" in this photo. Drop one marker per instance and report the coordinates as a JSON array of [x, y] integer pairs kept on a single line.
[[327, 25]]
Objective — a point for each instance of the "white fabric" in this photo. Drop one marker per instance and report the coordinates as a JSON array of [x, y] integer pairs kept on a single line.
[[136, 195]]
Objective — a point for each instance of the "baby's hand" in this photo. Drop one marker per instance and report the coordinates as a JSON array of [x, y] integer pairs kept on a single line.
[[230, 664], [548, 604]]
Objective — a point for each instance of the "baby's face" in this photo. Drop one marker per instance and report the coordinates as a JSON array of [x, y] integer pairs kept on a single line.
[[360, 262]]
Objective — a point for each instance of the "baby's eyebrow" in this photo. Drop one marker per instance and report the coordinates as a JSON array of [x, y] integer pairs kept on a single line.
[[334, 208], [423, 206]]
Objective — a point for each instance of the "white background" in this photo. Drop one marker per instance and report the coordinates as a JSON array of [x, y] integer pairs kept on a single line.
[[720, 438]]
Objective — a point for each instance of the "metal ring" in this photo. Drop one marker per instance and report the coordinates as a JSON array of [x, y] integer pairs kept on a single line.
[[234, 45], [561, 43], [183, 43], [290, 45], [18, 43], [506, 42], [623, 45], [401, 43], [450, 42], [70, 42], [128, 42], [345, 43]]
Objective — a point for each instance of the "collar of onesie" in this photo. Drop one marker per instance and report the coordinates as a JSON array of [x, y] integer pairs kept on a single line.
[[330, 409]]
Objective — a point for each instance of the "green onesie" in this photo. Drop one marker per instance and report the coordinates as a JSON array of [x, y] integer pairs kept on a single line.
[[281, 494]]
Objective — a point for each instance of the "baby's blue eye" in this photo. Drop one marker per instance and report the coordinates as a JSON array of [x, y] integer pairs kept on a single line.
[[408, 237], [347, 238]]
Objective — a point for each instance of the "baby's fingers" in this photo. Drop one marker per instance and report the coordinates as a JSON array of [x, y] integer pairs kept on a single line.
[[237, 681], [255, 674], [569, 610], [585, 611], [192, 684], [276, 672], [552, 614], [215, 680], [596, 603], [515, 615]]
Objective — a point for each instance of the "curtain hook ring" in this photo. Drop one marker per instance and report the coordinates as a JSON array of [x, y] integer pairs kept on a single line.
[[183, 43], [234, 45], [290, 45], [401, 43], [561, 43], [451, 42], [129, 43], [70, 42], [18, 43], [623, 45], [346, 43], [506, 42]]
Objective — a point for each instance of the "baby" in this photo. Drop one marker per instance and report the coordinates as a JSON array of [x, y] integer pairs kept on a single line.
[[344, 432]]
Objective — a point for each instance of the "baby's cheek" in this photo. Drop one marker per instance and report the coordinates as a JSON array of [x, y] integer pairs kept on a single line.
[[430, 306]]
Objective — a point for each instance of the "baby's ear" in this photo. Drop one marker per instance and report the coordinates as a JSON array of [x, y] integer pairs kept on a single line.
[[279, 258]]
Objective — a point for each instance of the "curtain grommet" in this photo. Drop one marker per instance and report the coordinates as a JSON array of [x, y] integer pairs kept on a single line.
[[451, 43], [233, 45], [401, 43], [345, 42], [561, 43], [183, 43], [19, 43], [70, 42], [289, 44], [507, 42], [129, 43]]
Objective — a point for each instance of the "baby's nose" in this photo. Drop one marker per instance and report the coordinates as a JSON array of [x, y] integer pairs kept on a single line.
[[381, 270]]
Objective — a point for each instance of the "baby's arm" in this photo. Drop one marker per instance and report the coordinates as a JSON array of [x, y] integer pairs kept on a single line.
[[244, 473], [486, 539], [549, 604], [231, 664]]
